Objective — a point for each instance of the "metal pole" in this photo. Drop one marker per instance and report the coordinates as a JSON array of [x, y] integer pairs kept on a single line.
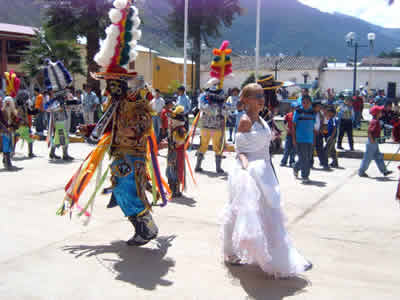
[[276, 70], [370, 68], [355, 69], [258, 38], [151, 67], [185, 43], [192, 74]]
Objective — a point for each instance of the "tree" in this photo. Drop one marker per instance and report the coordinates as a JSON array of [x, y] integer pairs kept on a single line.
[[391, 54], [250, 79], [43, 46], [206, 17], [80, 18]]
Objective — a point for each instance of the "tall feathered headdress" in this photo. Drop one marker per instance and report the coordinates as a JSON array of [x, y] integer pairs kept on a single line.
[[221, 65], [119, 47], [56, 76], [12, 83]]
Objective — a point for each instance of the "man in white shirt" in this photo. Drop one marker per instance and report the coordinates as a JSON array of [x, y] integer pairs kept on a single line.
[[157, 104]]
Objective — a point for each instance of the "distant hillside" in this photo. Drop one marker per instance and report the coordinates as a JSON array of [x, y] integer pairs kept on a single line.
[[287, 26], [21, 12]]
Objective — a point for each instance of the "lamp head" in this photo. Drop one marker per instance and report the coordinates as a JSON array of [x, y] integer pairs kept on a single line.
[[371, 36], [350, 37]]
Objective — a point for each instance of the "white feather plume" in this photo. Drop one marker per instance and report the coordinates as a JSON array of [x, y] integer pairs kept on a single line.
[[115, 15], [136, 22], [133, 44], [120, 3], [135, 11], [132, 55], [104, 56], [136, 34]]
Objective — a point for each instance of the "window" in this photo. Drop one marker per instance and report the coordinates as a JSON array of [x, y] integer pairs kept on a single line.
[[15, 49]]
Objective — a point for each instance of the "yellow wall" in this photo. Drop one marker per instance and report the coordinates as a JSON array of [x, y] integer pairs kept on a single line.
[[157, 71], [165, 72]]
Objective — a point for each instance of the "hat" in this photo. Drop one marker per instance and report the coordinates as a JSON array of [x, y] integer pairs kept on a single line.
[[8, 99], [375, 110], [119, 48], [178, 113], [268, 83], [56, 76], [181, 88], [221, 65], [294, 105], [316, 102]]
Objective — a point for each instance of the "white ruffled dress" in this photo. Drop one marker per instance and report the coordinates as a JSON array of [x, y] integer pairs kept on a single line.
[[253, 222]]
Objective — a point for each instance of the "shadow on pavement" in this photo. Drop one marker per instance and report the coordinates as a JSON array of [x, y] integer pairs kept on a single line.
[[258, 286], [187, 201], [22, 158], [223, 176], [316, 183], [61, 161], [14, 169], [384, 179], [142, 267]]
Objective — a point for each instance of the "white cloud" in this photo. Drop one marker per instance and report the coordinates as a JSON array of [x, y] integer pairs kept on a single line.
[[374, 11]]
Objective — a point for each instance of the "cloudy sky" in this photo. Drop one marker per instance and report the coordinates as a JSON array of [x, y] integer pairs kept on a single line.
[[374, 11]]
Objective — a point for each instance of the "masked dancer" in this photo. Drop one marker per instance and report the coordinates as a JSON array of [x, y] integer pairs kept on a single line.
[[125, 131], [57, 79], [214, 109]]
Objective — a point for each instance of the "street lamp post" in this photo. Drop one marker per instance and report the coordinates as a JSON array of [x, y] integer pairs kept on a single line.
[[186, 27], [371, 39], [258, 38], [353, 43]]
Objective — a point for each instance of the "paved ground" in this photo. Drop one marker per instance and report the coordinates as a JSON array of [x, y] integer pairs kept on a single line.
[[349, 227]]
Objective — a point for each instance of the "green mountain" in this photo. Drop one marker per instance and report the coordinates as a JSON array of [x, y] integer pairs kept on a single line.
[[288, 27], [21, 12]]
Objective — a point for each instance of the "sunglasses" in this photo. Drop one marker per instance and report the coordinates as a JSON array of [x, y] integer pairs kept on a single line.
[[257, 96]]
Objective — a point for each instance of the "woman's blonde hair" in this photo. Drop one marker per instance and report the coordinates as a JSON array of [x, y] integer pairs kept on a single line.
[[250, 90]]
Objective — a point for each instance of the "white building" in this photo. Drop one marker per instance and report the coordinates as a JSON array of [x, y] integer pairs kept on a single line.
[[288, 68], [379, 73], [339, 76]]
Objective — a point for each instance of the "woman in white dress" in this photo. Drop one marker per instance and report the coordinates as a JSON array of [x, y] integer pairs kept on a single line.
[[253, 228]]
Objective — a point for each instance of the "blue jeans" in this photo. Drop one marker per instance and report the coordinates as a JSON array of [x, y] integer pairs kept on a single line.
[[357, 119], [372, 153], [157, 126], [289, 151], [305, 153]]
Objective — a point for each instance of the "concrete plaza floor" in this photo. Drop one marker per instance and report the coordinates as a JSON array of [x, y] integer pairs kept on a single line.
[[349, 227]]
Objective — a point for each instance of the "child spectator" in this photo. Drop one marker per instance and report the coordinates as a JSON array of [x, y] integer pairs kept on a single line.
[[345, 116], [164, 118], [289, 151], [372, 147], [303, 138], [330, 137]]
